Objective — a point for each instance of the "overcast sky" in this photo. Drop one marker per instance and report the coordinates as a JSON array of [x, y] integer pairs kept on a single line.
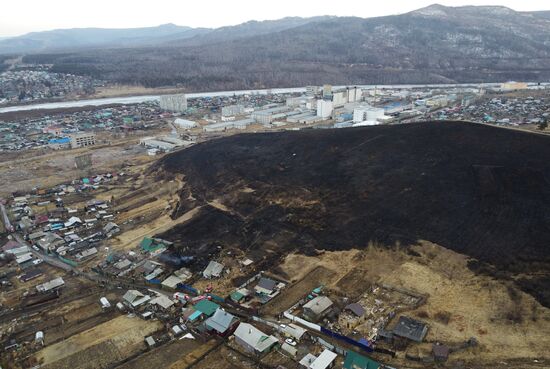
[[22, 16]]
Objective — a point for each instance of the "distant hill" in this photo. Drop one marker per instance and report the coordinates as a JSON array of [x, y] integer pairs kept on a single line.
[[167, 34], [436, 44], [542, 14], [78, 38], [478, 190], [249, 29]]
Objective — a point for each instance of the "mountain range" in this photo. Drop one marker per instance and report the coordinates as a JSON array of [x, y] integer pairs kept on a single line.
[[436, 44], [60, 40]]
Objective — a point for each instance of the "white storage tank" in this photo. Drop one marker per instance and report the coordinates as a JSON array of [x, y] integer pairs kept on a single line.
[[104, 303], [39, 337], [373, 114]]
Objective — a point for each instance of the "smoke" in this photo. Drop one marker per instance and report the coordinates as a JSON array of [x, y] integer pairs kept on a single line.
[[176, 260]]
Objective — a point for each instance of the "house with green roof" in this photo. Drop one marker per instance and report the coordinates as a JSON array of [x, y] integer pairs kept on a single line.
[[153, 244], [206, 307], [356, 361], [236, 296]]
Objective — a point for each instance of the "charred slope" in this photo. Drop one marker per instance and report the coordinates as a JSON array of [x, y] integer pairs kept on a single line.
[[475, 189]]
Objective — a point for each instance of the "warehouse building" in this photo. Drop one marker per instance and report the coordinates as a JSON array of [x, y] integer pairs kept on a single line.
[[152, 142], [164, 143], [218, 127], [267, 116], [224, 126], [184, 123]]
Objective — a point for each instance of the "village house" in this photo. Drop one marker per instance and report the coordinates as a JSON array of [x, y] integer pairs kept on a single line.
[[317, 308], [253, 340]]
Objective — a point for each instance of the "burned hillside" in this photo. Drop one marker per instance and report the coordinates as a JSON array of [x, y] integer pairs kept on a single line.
[[475, 189]]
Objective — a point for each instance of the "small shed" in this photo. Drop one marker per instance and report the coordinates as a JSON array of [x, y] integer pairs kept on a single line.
[[356, 309], [289, 349], [440, 352], [324, 361], [410, 328], [150, 341], [213, 270], [265, 286], [294, 331]]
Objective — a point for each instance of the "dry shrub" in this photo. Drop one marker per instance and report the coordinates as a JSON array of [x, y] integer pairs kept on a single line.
[[443, 317], [515, 311], [422, 314]]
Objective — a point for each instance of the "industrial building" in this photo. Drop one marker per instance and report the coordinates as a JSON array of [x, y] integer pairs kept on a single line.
[[324, 108], [307, 102], [82, 140], [337, 99], [349, 95], [232, 110], [174, 103]]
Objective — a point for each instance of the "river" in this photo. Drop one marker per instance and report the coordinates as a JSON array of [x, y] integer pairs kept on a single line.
[[139, 99]]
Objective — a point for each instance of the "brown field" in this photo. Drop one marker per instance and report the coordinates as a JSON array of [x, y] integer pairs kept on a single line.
[[479, 306], [224, 358], [164, 356], [292, 293], [113, 341], [195, 356], [129, 90], [51, 168]]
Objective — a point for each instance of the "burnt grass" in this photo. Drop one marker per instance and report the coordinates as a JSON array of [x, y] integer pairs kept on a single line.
[[478, 190]]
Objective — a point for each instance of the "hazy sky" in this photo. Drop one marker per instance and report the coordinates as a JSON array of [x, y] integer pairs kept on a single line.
[[22, 16]]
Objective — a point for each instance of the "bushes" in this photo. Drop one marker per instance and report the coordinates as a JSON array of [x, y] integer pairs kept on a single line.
[[443, 317]]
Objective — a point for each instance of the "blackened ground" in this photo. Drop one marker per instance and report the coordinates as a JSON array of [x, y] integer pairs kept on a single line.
[[478, 190]]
